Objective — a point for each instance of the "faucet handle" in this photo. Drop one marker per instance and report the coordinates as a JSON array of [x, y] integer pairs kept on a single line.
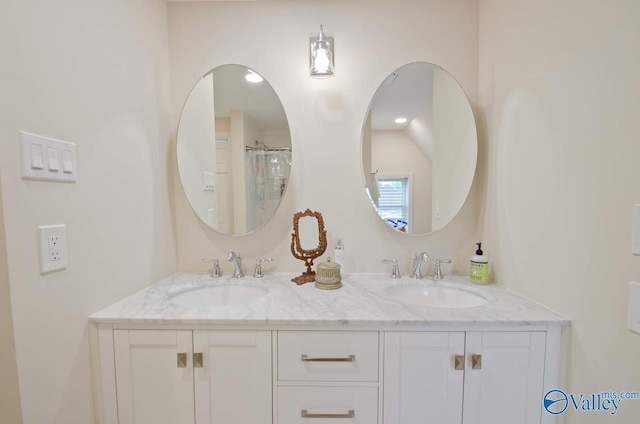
[[215, 272], [258, 271], [437, 271], [395, 271]]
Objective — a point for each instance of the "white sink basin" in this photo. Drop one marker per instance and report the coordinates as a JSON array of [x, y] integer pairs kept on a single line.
[[435, 296], [220, 295]]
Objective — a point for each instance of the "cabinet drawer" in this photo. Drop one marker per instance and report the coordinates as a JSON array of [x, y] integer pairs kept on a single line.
[[327, 356], [342, 405]]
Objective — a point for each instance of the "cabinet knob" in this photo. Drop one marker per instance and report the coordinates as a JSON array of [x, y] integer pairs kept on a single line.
[[476, 362], [458, 362], [182, 360], [197, 360]]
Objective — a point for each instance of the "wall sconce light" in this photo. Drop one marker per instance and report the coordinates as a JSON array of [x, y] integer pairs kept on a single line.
[[321, 56]]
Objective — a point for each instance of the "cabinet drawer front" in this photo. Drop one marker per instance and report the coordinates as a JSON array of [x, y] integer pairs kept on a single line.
[[327, 356], [320, 405]]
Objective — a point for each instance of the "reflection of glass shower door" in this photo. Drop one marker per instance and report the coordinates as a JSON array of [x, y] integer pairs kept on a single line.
[[266, 181]]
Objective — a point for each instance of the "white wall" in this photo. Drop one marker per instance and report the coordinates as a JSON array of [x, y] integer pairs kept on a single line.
[[326, 117], [454, 147], [96, 74], [394, 152], [560, 93], [9, 389], [196, 151]]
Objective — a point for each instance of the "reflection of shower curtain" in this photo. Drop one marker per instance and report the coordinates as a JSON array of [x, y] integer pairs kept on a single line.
[[266, 180]]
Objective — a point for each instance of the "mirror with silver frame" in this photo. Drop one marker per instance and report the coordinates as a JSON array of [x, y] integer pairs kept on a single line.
[[234, 150], [419, 149]]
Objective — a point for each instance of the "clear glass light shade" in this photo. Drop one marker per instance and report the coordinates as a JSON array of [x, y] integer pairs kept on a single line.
[[321, 57]]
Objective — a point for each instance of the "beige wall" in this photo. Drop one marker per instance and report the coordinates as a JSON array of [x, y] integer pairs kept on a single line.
[[9, 391], [554, 85], [560, 95], [96, 74], [395, 153], [326, 117]]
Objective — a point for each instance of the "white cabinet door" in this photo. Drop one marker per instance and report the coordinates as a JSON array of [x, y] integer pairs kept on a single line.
[[421, 384], [504, 381], [234, 384], [154, 377]]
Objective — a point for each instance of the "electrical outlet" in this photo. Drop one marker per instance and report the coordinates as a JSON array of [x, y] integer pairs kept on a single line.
[[53, 247]]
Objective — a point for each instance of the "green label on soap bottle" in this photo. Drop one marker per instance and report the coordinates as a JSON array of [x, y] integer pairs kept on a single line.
[[479, 272]]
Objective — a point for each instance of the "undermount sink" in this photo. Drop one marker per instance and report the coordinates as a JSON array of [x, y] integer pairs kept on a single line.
[[220, 295], [435, 296]]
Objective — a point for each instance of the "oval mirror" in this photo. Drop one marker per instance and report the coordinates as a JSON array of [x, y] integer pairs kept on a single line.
[[419, 149], [233, 150]]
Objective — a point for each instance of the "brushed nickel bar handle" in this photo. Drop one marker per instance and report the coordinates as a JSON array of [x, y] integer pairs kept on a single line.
[[305, 414], [458, 362], [476, 362], [182, 360], [197, 360], [306, 358]]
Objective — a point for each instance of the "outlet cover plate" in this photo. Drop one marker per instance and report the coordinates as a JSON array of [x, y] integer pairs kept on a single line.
[[53, 247]]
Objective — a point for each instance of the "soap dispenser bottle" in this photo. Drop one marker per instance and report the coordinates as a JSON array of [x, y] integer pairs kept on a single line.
[[479, 273]]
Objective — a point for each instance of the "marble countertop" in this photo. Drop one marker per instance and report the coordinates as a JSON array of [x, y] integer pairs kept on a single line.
[[362, 301]]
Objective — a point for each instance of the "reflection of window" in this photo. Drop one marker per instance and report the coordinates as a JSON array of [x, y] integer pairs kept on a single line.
[[393, 203]]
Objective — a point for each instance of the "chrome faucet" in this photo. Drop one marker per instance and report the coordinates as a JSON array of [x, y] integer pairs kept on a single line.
[[395, 271], [437, 270], [237, 262], [418, 259], [258, 271], [215, 272]]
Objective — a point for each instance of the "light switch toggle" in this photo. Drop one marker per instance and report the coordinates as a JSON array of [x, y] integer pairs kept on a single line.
[[67, 162], [52, 159], [35, 151]]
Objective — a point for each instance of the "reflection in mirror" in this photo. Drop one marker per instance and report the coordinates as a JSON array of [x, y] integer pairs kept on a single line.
[[308, 242], [233, 150], [419, 148], [309, 232]]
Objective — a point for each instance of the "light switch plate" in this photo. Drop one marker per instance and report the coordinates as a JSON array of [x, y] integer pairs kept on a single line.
[[41, 158], [53, 247], [634, 306], [208, 181]]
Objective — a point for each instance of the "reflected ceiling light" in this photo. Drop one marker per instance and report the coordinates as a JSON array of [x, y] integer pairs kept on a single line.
[[253, 77], [321, 56], [400, 120]]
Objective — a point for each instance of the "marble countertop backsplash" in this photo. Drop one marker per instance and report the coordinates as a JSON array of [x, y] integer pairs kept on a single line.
[[360, 302]]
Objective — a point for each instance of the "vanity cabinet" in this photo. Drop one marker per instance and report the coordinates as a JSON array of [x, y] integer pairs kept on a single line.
[[463, 377], [305, 356], [184, 376], [327, 375]]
